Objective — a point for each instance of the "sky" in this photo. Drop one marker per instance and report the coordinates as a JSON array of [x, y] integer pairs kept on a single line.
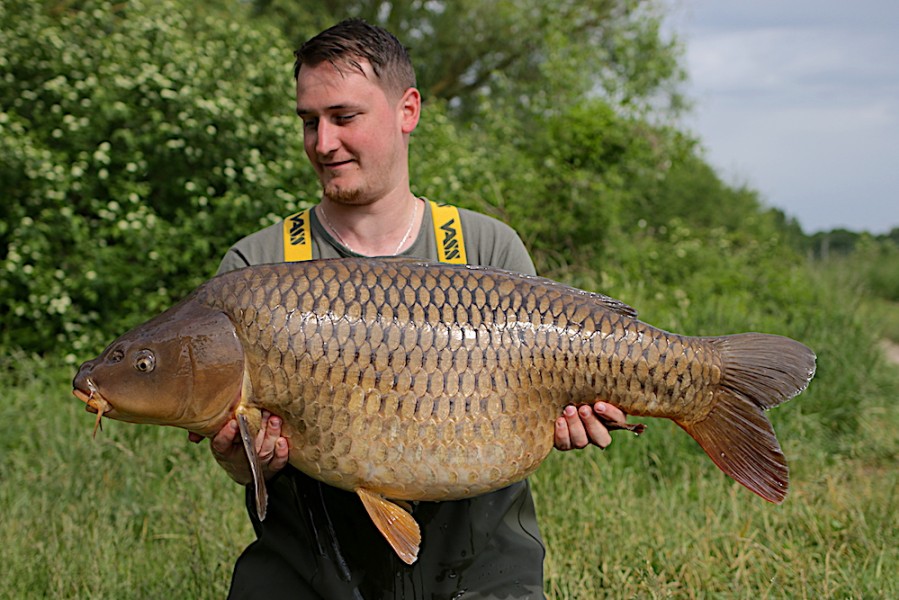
[[799, 100]]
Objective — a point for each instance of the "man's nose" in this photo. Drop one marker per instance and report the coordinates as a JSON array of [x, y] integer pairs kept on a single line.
[[326, 139]]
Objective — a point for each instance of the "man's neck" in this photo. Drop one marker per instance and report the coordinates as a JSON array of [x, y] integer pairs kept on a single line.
[[381, 228]]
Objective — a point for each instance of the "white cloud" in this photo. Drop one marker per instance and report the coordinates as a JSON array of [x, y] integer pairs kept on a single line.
[[801, 101]]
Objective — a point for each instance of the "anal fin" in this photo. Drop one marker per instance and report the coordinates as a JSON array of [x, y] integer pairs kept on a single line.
[[255, 467], [396, 525], [738, 437]]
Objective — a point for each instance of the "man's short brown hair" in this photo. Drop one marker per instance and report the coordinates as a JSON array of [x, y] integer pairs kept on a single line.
[[354, 40]]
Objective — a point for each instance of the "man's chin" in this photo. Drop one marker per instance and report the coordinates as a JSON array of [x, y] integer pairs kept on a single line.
[[342, 195]]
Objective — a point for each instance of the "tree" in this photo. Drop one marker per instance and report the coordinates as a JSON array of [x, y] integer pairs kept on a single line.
[[534, 54], [137, 141]]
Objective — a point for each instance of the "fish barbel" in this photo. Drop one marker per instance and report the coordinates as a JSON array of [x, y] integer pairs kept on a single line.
[[404, 380]]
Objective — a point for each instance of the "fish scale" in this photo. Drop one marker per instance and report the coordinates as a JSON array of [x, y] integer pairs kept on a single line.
[[405, 380], [392, 307]]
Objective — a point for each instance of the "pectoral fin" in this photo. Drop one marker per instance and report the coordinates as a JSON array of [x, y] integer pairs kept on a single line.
[[255, 467], [394, 523]]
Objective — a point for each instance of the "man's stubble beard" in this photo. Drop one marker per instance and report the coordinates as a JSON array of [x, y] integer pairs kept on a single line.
[[339, 195]]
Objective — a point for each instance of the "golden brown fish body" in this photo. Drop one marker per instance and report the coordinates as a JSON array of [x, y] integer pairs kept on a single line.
[[416, 381], [434, 384]]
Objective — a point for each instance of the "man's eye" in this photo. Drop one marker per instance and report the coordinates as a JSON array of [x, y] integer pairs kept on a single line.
[[310, 123], [344, 118]]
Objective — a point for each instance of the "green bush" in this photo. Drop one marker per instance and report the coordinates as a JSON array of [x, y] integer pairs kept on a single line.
[[137, 141], [880, 263]]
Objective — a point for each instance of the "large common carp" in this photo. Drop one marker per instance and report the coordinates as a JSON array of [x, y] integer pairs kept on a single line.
[[404, 380]]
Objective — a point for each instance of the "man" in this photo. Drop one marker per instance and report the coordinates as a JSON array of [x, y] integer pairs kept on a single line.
[[357, 99]]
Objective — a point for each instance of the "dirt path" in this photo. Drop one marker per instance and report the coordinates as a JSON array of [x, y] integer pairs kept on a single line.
[[891, 350]]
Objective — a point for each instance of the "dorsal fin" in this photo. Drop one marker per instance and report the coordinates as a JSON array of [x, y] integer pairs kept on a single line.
[[395, 524]]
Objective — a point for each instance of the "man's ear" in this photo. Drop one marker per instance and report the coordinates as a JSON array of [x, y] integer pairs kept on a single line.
[[410, 105]]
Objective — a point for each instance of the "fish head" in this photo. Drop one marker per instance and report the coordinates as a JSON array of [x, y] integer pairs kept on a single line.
[[183, 368]]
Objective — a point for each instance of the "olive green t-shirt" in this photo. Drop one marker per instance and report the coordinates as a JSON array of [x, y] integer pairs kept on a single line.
[[488, 243]]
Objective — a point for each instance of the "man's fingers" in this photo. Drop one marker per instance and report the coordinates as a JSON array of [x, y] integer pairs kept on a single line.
[[224, 439], [595, 429], [268, 437], [576, 431], [263, 427], [562, 439], [584, 425], [610, 414], [279, 460]]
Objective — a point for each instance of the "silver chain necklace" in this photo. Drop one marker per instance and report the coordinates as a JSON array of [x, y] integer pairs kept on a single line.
[[333, 230]]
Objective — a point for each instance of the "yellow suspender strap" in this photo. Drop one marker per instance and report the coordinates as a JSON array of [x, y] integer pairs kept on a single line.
[[448, 232], [297, 237]]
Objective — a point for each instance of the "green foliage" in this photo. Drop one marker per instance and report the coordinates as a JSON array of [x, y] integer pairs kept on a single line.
[[839, 242], [843, 242], [566, 182], [600, 168], [871, 271], [868, 262], [137, 142], [877, 262]]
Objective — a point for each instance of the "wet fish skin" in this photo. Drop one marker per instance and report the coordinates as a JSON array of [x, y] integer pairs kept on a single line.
[[184, 367], [401, 376], [416, 381]]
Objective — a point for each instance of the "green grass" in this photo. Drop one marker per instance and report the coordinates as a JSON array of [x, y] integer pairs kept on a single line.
[[652, 517], [871, 280], [885, 316], [139, 512], [635, 522]]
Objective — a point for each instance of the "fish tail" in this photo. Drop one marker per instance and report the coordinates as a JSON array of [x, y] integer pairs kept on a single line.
[[759, 371]]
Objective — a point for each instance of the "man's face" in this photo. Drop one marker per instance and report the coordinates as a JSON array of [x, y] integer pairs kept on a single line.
[[354, 133]]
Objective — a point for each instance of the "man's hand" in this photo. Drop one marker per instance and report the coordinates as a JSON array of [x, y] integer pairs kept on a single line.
[[578, 427], [228, 450]]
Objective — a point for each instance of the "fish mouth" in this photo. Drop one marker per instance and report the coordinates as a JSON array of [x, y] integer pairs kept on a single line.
[[95, 402]]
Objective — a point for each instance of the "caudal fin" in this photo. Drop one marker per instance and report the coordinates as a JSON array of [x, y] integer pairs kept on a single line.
[[759, 371]]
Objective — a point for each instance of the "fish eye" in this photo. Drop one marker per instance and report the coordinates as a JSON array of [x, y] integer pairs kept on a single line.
[[144, 361]]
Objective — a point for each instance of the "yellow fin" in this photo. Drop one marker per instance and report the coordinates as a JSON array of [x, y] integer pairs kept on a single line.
[[394, 523]]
